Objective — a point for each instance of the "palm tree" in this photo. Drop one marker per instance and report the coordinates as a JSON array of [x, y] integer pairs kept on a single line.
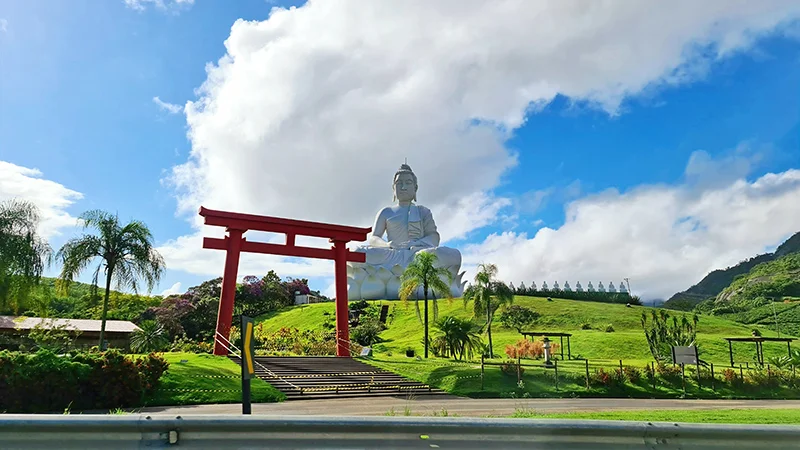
[[421, 272], [23, 254], [126, 254], [150, 337], [487, 294], [457, 336]]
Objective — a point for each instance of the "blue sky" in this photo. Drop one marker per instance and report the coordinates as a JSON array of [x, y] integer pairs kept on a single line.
[[586, 138]]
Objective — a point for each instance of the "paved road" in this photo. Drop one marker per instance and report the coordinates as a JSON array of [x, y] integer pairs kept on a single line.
[[463, 407]]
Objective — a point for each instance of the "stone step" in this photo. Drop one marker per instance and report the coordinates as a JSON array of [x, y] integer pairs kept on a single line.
[[306, 377]]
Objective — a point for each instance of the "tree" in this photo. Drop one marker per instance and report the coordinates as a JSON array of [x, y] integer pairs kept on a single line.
[[487, 294], [421, 272], [126, 254], [518, 317], [150, 337], [663, 331], [458, 337], [23, 254]]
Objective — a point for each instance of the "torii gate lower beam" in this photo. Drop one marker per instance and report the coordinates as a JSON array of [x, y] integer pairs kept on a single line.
[[234, 243]]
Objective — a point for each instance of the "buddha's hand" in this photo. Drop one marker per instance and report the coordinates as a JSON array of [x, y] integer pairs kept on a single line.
[[417, 244]]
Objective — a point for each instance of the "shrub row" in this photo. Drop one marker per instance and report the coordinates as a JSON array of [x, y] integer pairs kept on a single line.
[[45, 382], [757, 378]]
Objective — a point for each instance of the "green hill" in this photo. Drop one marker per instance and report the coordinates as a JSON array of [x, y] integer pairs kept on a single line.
[[626, 342], [715, 282], [79, 303], [771, 280]]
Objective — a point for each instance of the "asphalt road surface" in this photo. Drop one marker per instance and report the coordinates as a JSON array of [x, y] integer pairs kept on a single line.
[[463, 407]]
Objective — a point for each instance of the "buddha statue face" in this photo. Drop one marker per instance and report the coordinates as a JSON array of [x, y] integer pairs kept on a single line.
[[405, 184]]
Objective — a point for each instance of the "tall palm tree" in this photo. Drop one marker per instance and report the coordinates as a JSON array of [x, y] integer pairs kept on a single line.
[[488, 294], [126, 254], [23, 254], [421, 272]]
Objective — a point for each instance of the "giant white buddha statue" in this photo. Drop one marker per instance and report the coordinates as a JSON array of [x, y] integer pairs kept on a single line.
[[409, 228]]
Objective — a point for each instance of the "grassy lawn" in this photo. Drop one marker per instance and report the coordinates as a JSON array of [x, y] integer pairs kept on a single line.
[[738, 416], [204, 379], [627, 342], [603, 349], [464, 379]]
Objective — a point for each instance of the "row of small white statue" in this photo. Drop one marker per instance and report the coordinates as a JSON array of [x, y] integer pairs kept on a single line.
[[578, 287]]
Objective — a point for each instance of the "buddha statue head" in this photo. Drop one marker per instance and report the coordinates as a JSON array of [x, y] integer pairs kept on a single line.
[[405, 184]]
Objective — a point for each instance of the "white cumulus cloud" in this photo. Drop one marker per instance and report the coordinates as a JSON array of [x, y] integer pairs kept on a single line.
[[664, 238], [310, 112], [170, 108], [175, 289], [52, 198]]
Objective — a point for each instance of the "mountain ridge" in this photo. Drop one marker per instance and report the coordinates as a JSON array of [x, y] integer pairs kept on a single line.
[[717, 280]]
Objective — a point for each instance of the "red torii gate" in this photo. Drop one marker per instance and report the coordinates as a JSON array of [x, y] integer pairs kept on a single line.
[[234, 243]]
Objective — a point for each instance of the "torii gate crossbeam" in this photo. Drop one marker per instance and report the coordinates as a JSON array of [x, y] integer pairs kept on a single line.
[[234, 243]]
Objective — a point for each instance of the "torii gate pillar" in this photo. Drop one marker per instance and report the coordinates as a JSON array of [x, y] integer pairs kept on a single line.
[[234, 243]]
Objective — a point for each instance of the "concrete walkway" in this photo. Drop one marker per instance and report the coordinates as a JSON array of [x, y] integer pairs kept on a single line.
[[463, 406]]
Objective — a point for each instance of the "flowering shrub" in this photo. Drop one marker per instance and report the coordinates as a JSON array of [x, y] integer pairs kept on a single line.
[[668, 372], [632, 374], [529, 349], [294, 341], [114, 381], [510, 368], [601, 378], [171, 311], [761, 378], [730, 376], [45, 382], [150, 368], [649, 372], [187, 345]]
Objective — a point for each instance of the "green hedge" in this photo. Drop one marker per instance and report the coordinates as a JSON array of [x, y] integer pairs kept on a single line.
[[45, 382]]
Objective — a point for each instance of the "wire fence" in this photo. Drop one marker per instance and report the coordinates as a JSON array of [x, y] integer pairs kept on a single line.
[[562, 373]]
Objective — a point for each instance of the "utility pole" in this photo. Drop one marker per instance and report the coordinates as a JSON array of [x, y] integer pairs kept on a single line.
[[775, 315]]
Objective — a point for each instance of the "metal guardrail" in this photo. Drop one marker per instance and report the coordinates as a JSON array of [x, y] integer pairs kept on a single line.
[[145, 431]]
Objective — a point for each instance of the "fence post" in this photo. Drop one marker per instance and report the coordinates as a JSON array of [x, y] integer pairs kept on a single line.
[[653, 367], [555, 362], [683, 378], [698, 374], [713, 385], [519, 369], [587, 374], [769, 373], [482, 371], [741, 374], [620, 369]]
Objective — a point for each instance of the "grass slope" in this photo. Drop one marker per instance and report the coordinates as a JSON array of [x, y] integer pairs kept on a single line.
[[603, 350], [205, 379], [627, 342], [738, 416]]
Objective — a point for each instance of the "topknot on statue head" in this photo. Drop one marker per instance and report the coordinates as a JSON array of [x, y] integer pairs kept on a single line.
[[404, 169]]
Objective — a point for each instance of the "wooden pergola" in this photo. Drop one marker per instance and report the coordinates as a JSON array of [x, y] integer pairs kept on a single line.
[[759, 341], [533, 335]]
